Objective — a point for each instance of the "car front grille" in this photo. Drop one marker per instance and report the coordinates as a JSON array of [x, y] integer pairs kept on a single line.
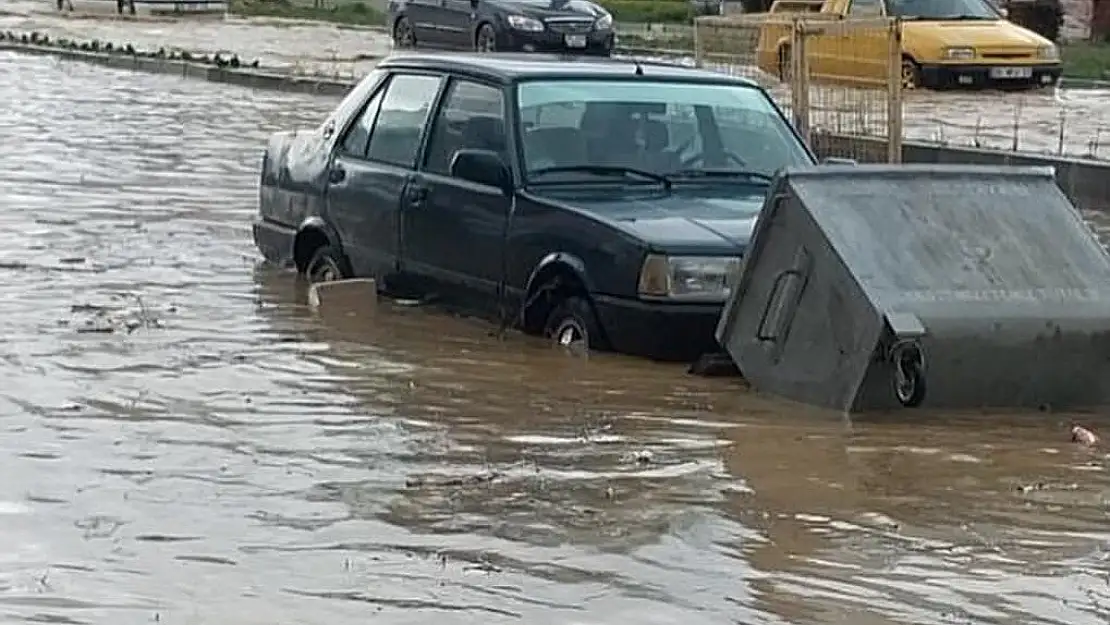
[[1008, 52], [568, 27]]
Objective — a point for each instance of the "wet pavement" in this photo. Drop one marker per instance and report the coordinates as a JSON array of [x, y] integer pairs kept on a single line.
[[185, 442], [1071, 120]]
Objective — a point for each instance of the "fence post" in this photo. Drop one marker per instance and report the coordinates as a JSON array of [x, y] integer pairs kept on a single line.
[[699, 59], [799, 80], [894, 92]]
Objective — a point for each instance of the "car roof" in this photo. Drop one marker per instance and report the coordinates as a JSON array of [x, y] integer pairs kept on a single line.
[[509, 67]]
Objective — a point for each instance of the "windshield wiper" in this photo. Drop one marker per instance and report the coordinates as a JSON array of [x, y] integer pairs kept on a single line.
[[605, 170], [722, 173], [968, 18]]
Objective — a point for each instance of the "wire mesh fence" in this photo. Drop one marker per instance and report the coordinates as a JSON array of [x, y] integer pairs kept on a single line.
[[839, 82]]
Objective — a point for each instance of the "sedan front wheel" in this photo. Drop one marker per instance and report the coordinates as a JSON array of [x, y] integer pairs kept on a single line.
[[573, 323], [327, 265]]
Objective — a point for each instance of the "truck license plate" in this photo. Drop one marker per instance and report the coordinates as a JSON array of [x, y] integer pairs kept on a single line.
[[1011, 72], [576, 41]]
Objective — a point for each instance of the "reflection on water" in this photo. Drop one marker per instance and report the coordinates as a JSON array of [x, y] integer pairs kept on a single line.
[[184, 441]]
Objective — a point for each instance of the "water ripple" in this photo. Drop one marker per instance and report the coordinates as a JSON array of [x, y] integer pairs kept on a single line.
[[222, 455]]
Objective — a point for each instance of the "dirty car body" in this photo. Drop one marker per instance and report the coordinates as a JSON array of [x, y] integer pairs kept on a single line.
[[945, 44], [568, 26], [587, 199]]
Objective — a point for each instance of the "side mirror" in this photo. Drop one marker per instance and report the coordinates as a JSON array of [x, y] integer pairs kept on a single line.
[[483, 167], [833, 160]]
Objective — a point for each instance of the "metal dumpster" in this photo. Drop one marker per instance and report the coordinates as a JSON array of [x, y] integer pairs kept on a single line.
[[873, 287]]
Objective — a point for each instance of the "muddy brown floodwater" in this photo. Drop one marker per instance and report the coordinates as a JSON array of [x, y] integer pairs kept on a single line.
[[184, 442]]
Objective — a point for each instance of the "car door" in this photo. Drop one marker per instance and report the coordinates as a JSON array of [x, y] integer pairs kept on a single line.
[[851, 54], [425, 18], [373, 164], [453, 231], [455, 23]]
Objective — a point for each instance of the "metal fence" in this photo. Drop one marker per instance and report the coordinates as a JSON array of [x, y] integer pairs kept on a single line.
[[840, 81]]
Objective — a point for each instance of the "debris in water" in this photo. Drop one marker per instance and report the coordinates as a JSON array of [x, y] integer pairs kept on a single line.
[[642, 456], [417, 481], [110, 319], [714, 365], [96, 325], [1083, 436], [356, 294], [1037, 486]]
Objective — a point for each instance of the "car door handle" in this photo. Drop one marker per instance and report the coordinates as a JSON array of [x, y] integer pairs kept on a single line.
[[337, 174], [417, 196]]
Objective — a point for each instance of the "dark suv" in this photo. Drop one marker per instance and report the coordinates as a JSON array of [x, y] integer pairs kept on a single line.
[[569, 26], [584, 199]]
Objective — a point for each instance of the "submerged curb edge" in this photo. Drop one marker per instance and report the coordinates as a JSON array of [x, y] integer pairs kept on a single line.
[[251, 78]]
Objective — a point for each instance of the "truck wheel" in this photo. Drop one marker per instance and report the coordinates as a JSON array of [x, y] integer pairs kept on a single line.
[[327, 265], [572, 321]]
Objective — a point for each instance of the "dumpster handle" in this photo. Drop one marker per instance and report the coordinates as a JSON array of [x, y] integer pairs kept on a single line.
[[780, 319]]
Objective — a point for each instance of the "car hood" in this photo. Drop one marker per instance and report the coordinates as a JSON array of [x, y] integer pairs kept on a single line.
[[682, 224], [553, 8], [984, 34]]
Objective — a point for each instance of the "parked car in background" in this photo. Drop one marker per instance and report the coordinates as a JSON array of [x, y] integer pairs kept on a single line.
[[573, 26], [592, 200], [945, 43]]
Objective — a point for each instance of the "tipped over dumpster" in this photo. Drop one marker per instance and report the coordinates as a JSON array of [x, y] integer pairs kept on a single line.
[[878, 287]]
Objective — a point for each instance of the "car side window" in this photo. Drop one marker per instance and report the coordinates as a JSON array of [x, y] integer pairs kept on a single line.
[[358, 135], [472, 116], [395, 137], [872, 8]]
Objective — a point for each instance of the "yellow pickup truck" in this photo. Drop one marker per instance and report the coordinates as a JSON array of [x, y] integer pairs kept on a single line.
[[945, 43]]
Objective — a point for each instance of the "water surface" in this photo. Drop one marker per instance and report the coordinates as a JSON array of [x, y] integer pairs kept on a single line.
[[221, 455]]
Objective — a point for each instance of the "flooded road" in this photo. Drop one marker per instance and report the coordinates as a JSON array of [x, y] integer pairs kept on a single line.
[[184, 442]]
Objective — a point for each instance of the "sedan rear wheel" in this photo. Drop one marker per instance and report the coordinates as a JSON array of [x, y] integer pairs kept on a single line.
[[326, 265], [486, 39]]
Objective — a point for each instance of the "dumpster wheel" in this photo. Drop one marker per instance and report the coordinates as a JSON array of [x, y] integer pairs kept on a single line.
[[909, 372]]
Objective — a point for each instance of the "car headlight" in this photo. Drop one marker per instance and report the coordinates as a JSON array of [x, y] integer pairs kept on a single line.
[[688, 277], [528, 24], [605, 22], [1048, 53], [959, 54]]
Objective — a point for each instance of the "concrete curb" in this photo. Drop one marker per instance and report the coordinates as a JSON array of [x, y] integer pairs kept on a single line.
[[251, 78], [1087, 182]]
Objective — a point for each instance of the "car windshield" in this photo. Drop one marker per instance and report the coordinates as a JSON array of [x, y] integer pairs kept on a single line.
[[942, 9], [643, 129]]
